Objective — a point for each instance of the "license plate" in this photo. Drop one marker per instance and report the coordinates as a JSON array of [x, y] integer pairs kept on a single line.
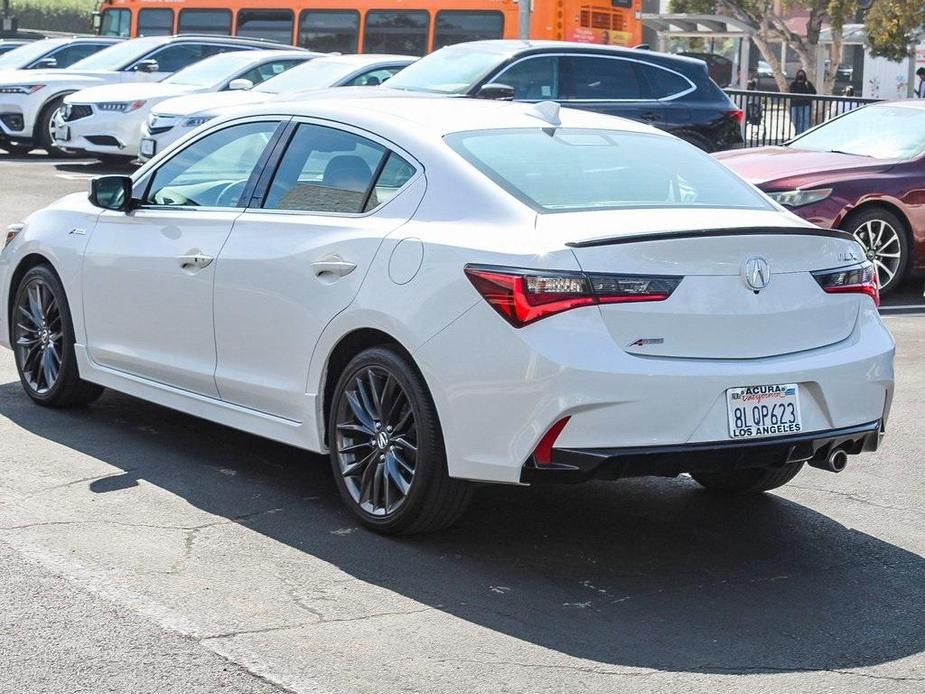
[[758, 411], [62, 134], [147, 147]]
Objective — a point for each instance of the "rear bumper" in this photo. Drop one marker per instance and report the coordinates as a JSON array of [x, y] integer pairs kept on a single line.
[[571, 465]]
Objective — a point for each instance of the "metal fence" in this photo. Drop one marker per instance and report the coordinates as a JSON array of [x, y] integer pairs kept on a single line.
[[772, 118]]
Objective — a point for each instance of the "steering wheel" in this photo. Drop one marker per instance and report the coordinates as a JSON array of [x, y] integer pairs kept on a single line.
[[230, 194]]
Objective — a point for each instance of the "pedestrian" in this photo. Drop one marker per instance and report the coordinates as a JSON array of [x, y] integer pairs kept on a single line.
[[845, 106], [800, 106], [920, 90]]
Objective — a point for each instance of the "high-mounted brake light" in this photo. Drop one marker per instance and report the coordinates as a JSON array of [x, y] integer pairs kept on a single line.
[[522, 297], [859, 279]]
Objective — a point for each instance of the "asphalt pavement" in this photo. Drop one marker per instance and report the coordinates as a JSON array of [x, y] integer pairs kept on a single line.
[[143, 550]]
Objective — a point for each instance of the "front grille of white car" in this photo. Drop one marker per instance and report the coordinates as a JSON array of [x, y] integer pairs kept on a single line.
[[74, 112]]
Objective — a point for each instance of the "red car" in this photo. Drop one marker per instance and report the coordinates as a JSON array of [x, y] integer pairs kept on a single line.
[[863, 172]]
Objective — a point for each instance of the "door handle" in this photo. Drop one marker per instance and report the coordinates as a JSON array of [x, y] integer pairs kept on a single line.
[[195, 260], [649, 116], [333, 265]]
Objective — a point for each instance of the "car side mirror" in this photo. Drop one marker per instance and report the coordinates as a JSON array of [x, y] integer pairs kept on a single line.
[[45, 63], [496, 91], [240, 85], [111, 193], [148, 65]]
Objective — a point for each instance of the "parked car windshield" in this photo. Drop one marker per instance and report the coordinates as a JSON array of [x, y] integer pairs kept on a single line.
[[567, 169], [212, 70], [451, 70], [878, 131], [27, 53], [117, 56], [315, 74]]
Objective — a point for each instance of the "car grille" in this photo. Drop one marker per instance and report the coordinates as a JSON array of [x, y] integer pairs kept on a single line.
[[77, 111]]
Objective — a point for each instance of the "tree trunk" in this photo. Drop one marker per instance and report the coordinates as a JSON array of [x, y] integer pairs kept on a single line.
[[835, 56], [771, 55]]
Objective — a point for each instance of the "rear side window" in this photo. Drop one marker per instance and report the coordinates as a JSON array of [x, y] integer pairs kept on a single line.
[[155, 22], [194, 21], [596, 78], [571, 169], [326, 170], [402, 31], [457, 26], [272, 25], [665, 83], [533, 78], [329, 30]]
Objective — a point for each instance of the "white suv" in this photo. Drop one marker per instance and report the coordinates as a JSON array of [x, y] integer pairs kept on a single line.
[[30, 98], [106, 121]]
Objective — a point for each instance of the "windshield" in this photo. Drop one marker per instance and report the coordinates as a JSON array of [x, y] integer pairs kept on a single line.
[[567, 169], [451, 70], [213, 70], [315, 74], [881, 132], [27, 53], [117, 56]]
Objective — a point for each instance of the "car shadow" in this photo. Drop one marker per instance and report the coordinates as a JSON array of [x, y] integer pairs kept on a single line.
[[646, 573]]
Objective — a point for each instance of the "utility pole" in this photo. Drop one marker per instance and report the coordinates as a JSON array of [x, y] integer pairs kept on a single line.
[[523, 13], [7, 22]]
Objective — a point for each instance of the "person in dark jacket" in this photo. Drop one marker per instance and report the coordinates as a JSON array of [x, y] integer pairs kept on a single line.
[[800, 105]]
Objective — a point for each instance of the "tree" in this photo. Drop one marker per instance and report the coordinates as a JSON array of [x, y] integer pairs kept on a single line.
[[890, 25]]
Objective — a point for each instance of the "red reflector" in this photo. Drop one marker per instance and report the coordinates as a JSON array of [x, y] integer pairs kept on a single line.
[[543, 453]]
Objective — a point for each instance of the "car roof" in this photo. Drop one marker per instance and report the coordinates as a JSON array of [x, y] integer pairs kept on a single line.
[[513, 47], [905, 103], [363, 59], [260, 55], [384, 112]]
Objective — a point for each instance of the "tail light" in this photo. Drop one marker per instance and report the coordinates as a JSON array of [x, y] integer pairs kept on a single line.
[[738, 115], [522, 297], [860, 279]]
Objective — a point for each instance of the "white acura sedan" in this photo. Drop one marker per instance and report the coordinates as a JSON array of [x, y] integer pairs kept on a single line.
[[441, 291]]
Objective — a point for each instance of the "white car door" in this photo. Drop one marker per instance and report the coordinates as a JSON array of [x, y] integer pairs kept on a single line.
[[148, 273], [297, 257]]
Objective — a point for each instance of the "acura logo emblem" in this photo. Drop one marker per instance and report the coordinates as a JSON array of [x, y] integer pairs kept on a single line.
[[757, 273]]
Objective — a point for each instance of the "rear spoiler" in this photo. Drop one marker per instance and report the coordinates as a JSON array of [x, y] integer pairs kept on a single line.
[[708, 233]]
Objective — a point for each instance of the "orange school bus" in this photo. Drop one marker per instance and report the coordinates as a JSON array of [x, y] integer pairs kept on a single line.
[[412, 27]]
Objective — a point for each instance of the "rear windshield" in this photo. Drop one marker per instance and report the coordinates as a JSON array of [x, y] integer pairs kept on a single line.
[[568, 169]]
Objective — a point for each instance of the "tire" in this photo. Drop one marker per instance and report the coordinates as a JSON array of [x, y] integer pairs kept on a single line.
[[870, 223], [749, 481], [381, 418], [695, 139], [41, 332], [43, 125]]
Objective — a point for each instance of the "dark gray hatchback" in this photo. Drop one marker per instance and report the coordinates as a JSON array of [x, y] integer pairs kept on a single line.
[[670, 92]]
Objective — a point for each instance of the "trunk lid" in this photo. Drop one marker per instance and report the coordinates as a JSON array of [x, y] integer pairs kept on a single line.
[[714, 313]]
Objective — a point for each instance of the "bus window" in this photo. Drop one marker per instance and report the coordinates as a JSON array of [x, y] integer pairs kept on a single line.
[[457, 26], [155, 22], [329, 30], [205, 22], [402, 31], [273, 25], [116, 23]]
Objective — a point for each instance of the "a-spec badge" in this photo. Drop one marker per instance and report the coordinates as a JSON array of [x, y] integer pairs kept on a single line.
[[757, 273]]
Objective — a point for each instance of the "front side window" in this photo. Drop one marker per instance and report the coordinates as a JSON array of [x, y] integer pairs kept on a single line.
[[116, 23], [402, 31], [372, 78], [180, 55], [570, 169], [329, 31], [592, 78], [458, 26], [533, 79], [272, 25], [212, 171], [67, 56], [193, 21], [262, 73], [155, 22], [326, 170]]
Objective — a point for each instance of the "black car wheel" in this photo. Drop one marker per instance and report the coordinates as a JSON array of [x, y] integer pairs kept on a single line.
[[387, 448], [886, 243], [42, 336]]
